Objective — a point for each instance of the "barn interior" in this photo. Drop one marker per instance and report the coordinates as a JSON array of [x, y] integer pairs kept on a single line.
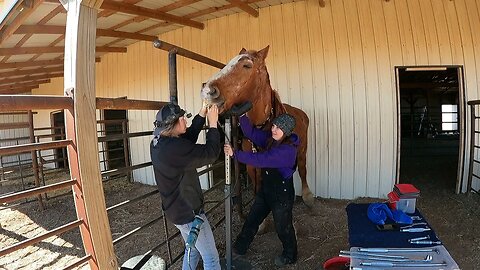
[[430, 113]]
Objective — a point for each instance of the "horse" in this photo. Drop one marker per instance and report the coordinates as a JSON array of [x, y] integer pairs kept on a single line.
[[245, 78]]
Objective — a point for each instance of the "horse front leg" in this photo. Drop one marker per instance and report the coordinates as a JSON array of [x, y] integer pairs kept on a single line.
[[307, 195]]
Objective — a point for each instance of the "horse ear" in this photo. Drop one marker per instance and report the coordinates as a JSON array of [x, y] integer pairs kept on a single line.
[[243, 51], [264, 52]]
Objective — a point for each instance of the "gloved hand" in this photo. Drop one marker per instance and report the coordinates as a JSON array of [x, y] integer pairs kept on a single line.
[[238, 109]]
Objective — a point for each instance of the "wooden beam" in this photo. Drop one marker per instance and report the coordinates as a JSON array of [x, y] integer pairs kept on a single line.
[[150, 13], [35, 50], [60, 30], [30, 71], [245, 7], [30, 78], [17, 91], [12, 87], [106, 13], [10, 14], [25, 84], [59, 9], [81, 129], [128, 104], [19, 19], [35, 63], [40, 29], [31, 64], [120, 34]]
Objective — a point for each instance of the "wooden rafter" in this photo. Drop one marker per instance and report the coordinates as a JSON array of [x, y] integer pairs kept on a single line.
[[31, 78], [150, 13], [35, 63], [59, 9], [25, 84], [60, 30], [188, 16], [27, 9], [245, 7], [18, 90], [30, 72], [106, 13], [30, 64], [34, 50]]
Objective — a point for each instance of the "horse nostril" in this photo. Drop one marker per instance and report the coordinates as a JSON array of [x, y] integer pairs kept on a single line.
[[203, 85], [214, 92]]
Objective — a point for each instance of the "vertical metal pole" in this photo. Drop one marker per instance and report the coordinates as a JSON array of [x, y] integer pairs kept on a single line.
[[237, 185], [34, 158], [472, 147], [126, 150], [228, 202], [167, 238], [172, 75]]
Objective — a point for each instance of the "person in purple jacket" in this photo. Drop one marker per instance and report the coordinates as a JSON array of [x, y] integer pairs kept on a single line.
[[278, 163]]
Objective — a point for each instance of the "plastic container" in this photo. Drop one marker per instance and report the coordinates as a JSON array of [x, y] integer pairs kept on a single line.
[[406, 205]]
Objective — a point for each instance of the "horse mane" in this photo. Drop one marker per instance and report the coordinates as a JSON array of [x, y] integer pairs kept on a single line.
[[277, 105]]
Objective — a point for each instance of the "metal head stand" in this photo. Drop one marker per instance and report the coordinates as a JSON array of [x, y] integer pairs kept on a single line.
[[227, 262]]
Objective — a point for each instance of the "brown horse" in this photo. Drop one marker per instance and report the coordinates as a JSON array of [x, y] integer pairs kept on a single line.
[[245, 78]]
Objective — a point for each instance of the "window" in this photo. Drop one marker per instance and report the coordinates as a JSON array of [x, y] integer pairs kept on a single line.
[[449, 117]]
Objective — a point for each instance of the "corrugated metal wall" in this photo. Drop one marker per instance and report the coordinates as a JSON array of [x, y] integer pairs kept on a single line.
[[22, 134], [337, 63]]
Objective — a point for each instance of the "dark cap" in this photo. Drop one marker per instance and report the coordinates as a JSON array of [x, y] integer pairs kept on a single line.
[[285, 122], [166, 117]]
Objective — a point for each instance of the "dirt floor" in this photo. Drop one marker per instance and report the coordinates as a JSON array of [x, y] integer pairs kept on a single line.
[[322, 231]]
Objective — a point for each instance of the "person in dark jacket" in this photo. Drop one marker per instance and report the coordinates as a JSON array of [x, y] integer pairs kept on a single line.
[[175, 157], [278, 163]]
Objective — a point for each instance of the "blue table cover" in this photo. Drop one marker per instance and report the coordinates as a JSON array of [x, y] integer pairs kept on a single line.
[[364, 233]]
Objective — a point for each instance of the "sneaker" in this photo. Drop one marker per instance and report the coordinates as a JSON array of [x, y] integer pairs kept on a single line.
[[282, 261]]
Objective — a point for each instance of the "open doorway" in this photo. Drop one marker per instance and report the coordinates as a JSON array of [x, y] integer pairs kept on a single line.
[[57, 119], [116, 151], [431, 120]]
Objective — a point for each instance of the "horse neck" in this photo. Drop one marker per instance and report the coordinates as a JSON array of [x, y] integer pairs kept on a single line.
[[262, 105]]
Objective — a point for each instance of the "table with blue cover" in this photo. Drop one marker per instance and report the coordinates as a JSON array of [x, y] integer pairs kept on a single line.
[[364, 233]]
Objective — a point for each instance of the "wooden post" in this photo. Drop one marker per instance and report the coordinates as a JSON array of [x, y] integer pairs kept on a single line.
[[79, 79]]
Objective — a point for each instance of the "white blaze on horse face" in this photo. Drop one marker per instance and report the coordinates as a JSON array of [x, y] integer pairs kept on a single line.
[[206, 90]]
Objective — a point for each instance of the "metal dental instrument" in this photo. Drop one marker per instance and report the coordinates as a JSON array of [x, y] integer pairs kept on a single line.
[[426, 242], [385, 250], [387, 264], [372, 254], [415, 229], [419, 238], [414, 224], [371, 257]]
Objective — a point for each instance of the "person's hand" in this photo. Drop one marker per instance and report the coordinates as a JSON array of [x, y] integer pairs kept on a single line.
[[203, 110], [212, 116], [227, 148]]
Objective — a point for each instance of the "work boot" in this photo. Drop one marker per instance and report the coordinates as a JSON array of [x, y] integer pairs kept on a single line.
[[281, 261]]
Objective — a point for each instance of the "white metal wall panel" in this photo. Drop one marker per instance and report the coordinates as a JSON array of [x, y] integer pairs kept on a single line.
[[337, 63]]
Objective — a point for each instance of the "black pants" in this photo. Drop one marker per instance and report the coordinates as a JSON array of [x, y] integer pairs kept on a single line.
[[277, 195]]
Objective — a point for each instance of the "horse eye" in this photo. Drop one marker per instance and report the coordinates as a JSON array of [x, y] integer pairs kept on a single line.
[[247, 65]]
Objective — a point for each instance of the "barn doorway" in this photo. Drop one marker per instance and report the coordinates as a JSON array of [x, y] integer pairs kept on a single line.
[[431, 123], [116, 151], [58, 123]]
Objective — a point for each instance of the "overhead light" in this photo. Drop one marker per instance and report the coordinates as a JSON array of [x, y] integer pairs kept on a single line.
[[426, 69]]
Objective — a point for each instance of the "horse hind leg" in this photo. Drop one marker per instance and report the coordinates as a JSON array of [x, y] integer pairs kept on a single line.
[[307, 195]]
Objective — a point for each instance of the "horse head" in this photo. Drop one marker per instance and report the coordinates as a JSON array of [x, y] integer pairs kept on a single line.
[[239, 81]]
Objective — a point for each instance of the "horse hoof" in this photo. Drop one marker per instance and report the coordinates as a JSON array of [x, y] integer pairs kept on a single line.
[[308, 199]]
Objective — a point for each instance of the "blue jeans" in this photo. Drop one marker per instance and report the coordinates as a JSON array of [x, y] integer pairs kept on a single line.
[[205, 247]]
